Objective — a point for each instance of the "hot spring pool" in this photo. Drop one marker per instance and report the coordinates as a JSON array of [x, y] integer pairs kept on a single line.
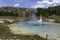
[[53, 30]]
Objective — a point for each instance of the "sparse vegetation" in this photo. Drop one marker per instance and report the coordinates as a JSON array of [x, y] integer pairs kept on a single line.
[[5, 32]]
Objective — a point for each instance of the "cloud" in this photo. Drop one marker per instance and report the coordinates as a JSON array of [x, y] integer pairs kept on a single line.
[[17, 5], [46, 3], [56, 1]]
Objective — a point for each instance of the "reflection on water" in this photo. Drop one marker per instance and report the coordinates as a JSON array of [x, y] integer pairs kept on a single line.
[[47, 28]]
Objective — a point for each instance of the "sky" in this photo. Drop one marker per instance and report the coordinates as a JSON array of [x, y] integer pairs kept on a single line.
[[30, 3]]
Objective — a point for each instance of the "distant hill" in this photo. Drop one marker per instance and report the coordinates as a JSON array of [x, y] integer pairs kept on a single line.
[[12, 11]]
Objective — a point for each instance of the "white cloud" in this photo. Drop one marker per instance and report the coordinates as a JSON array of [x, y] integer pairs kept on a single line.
[[16, 5], [54, 4], [46, 3], [56, 1], [41, 4], [38, 6]]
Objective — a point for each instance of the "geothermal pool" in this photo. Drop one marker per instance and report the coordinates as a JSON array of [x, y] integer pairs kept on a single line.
[[52, 29]]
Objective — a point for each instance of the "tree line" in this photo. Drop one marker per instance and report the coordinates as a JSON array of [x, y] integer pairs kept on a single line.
[[12, 11], [48, 11]]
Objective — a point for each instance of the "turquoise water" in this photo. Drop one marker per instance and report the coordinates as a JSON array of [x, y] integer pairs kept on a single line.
[[42, 29]]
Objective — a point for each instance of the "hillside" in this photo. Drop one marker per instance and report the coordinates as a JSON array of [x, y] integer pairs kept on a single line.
[[12, 11]]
